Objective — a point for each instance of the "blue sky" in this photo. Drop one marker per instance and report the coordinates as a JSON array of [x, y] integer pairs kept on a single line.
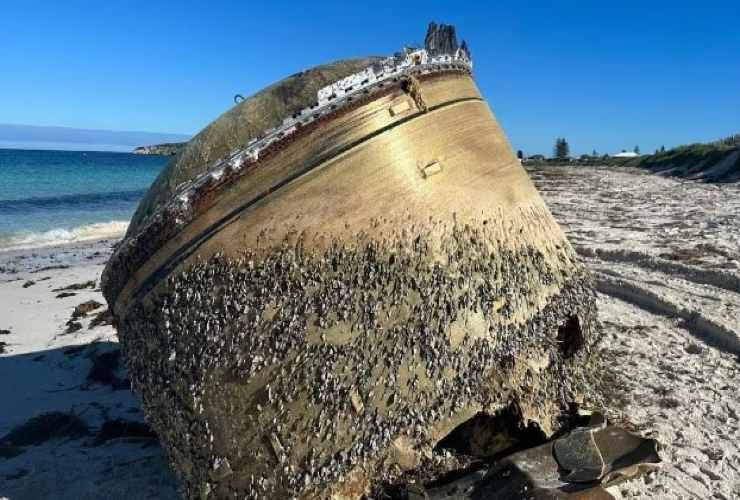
[[606, 75]]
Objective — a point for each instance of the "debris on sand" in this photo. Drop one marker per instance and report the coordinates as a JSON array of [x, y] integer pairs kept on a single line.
[[85, 308], [102, 318], [29, 283], [64, 295], [51, 268], [81, 311], [76, 286], [579, 465], [73, 326]]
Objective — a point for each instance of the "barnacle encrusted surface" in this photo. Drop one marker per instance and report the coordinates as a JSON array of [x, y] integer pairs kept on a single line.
[[324, 318], [289, 371]]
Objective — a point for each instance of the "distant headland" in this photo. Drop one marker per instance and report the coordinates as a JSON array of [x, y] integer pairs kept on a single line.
[[165, 149], [15, 136]]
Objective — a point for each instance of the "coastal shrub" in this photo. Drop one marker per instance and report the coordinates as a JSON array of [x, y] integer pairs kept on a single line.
[[731, 141], [707, 155]]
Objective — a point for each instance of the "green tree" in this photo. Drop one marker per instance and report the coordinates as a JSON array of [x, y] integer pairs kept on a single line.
[[637, 149], [520, 154], [561, 151]]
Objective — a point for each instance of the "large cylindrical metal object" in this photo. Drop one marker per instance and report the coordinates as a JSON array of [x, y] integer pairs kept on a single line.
[[324, 316]]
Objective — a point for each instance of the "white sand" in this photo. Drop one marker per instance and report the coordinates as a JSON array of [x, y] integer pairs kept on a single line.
[[666, 257], [38, 376], [665, 253]]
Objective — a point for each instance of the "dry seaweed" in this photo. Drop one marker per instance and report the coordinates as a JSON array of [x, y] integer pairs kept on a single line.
[[102, 318], [76, 286], [73, 326], [85, 308]]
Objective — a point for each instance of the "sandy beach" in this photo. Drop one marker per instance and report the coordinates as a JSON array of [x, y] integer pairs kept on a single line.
[[665, 255], [48, 365]]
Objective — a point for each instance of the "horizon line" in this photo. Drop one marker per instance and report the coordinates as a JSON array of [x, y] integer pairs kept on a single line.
[[88, 129]]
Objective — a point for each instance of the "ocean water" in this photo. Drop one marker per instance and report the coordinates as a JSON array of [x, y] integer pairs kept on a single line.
[[52, 197]]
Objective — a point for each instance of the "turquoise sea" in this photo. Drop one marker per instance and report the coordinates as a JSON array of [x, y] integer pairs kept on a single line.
[[52, 197]]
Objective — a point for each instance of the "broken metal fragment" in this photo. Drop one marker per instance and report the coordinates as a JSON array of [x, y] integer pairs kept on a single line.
[[578, 454], [579, 465], [625, 454]]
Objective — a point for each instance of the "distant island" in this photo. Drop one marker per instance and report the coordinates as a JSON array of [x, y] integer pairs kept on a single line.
[[165, 149]]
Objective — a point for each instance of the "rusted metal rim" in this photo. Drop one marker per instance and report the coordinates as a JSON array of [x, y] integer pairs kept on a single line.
[[173, 217]]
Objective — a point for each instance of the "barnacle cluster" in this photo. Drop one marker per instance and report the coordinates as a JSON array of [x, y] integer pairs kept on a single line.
[[290, 371]]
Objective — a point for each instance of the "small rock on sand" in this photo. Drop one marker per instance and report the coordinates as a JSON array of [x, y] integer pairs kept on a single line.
[[84, 308]]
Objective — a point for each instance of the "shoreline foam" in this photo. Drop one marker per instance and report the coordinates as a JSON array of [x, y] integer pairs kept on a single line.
[[55, 237]]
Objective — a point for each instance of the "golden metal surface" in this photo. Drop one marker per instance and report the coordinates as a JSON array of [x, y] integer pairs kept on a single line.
[[370, 164], [429, 163]]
